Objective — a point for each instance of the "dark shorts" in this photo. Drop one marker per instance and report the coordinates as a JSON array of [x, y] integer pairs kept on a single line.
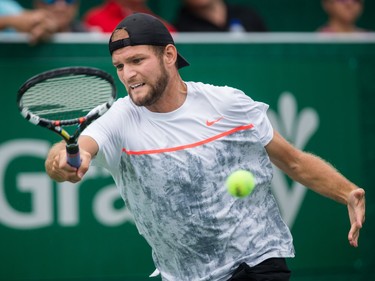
[[274, 269]]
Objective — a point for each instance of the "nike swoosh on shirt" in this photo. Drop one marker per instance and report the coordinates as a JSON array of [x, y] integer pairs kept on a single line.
[[210, 123]]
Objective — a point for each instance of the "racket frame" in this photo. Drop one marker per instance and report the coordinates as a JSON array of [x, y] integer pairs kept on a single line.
[[56, 126]]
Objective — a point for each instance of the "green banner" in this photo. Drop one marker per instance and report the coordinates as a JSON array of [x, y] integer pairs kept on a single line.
[[321, 96]]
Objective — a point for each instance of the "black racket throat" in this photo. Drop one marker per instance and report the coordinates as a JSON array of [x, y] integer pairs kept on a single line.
[[72, 148]]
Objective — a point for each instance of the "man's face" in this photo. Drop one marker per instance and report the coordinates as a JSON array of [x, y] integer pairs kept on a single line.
[[142, 72]]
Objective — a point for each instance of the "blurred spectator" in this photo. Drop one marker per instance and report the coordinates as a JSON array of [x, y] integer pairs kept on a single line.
[[342, 15], [217, 15], [34, 22], [48, 17], [64, 12], [10, 7], [104, 18]]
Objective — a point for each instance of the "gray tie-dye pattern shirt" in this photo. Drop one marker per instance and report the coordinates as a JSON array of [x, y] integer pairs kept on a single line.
[[170, 169]]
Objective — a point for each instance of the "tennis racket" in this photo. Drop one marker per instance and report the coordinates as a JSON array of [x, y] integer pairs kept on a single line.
[[63, 97]]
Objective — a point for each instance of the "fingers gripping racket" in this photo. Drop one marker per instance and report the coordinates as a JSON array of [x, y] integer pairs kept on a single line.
[[63, 97]]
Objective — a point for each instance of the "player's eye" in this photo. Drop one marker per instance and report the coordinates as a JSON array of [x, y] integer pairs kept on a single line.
[[119, 67], [137, 60]]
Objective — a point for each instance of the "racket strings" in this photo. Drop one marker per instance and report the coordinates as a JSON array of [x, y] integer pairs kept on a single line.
[[67, 97]]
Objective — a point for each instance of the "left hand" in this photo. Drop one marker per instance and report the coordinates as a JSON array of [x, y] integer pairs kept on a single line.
[[356, 209]]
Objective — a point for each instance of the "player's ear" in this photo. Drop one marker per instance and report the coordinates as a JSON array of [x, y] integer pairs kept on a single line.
[[170, 55]]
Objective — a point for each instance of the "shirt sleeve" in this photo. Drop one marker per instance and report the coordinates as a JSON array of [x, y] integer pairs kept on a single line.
[[105, 132], [256, 113]]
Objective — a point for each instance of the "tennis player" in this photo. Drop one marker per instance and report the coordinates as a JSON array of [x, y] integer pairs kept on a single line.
[[171, 144]]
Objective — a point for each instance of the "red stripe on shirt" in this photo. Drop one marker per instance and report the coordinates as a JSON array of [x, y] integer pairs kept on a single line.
[[182, 147]]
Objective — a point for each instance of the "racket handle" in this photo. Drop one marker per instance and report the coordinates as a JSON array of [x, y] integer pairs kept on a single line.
[[73, 156]]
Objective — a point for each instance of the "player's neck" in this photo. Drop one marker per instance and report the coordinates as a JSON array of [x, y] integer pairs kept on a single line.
[[173, 97]]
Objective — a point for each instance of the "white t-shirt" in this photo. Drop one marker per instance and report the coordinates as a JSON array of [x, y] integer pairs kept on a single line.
[[170, 169]]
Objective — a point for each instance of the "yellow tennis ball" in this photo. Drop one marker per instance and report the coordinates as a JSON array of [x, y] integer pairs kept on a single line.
[[240, 183]]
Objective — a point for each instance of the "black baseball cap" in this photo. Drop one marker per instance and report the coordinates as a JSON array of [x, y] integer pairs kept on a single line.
[[144, 29]]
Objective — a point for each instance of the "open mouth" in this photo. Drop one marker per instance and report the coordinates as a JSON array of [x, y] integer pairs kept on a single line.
[[135, 86]]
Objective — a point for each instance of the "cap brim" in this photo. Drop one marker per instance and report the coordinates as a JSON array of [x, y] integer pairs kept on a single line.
[[181, 61]]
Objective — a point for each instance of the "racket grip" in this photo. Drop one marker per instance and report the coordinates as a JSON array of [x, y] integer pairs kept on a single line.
[[73, 156]]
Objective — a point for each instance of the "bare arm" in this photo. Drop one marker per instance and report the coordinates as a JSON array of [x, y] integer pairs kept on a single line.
[[321, 177], [37, 23], [56, 163], [22, 22]]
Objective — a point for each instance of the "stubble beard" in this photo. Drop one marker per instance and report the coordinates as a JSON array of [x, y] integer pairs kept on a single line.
[[156, 91]]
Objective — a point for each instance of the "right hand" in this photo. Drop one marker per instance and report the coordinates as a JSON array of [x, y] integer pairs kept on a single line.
[[58, 168]]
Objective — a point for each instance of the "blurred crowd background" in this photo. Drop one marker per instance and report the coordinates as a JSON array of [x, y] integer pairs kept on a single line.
[[58, 232], [42, 18]]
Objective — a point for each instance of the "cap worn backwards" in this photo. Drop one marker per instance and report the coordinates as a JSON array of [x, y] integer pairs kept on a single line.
[[144, 29]]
